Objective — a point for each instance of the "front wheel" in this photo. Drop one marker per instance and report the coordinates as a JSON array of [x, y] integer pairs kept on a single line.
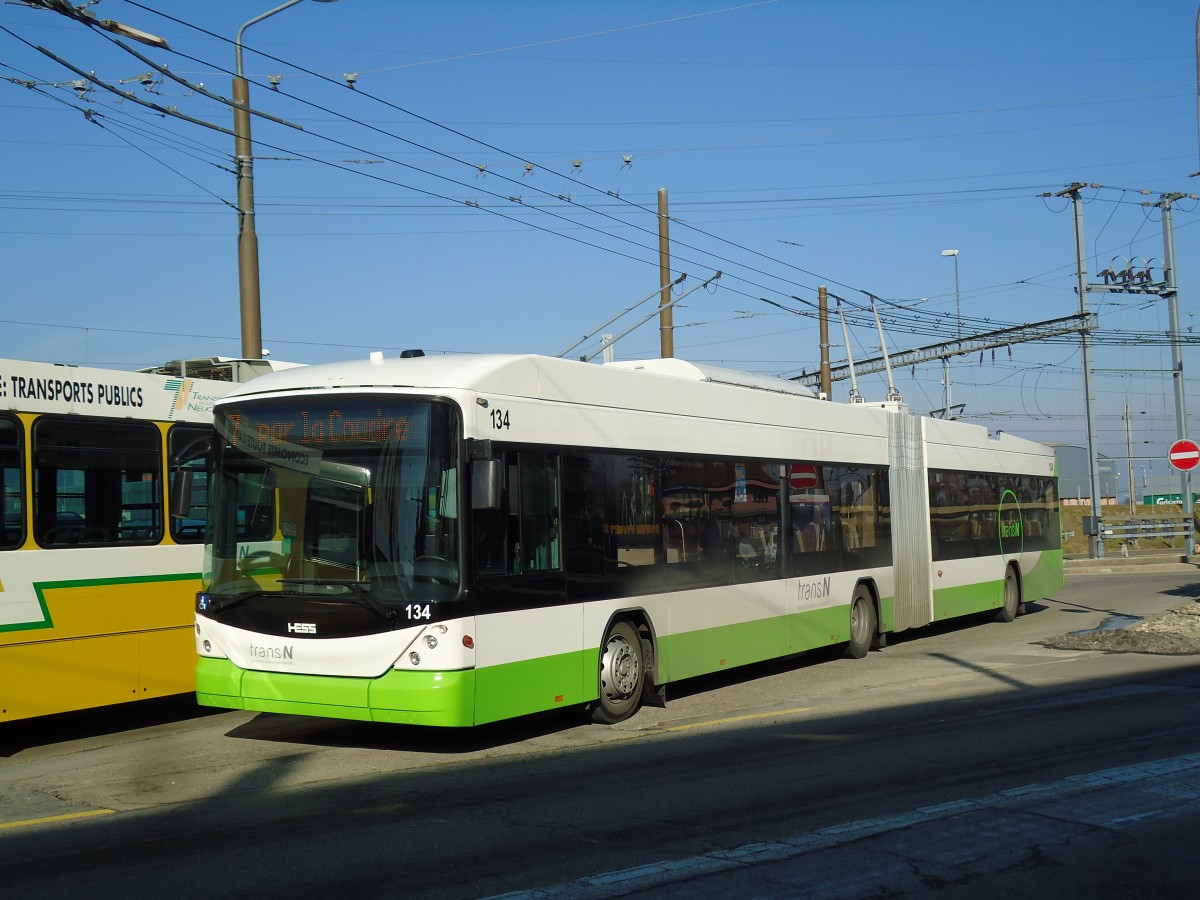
[[863, 623], [1012, 598], [622, 673]]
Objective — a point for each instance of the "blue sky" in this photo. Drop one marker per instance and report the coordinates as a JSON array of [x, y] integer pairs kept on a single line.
[[837, 142]]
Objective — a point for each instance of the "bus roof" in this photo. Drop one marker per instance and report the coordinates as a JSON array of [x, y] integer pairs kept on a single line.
[[663, 386], [518, 375]]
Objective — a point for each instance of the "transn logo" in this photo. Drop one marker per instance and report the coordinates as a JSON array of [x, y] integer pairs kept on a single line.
[[181, 388]]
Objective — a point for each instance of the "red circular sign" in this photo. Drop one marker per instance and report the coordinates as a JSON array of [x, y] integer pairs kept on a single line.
[[1184, 455], [802, 476]]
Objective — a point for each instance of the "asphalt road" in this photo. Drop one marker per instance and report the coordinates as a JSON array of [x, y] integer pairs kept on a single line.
[[965, 760]]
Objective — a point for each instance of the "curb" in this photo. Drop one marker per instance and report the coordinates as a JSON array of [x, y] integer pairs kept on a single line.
[[1131, 565]]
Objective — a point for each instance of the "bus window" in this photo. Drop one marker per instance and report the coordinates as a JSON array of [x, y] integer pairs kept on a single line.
[[96, 482], [183, 439], [810, 513], [12, 494], [256, 506], [524, 537], [540, 539], [334, 524], [756, 516], [861, 515], [700, 531]]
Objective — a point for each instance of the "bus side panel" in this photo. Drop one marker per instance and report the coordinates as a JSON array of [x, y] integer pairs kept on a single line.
[[965, 586], [529, 660], [166, 660], [722, 627], [707, 650], [817, 628], [97, 642], [118, 605], [949, 603], [517, 688], [50, 677], [1042, 574]]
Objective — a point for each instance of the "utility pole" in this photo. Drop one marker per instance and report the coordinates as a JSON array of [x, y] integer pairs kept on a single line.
[[248, 285], [666, 318], [1129, 460], [247, 244], [1095, 541], [1171, 292]]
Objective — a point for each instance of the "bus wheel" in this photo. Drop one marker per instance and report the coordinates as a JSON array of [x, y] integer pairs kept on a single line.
[[1012, 598], [862, 623], [622, 672]]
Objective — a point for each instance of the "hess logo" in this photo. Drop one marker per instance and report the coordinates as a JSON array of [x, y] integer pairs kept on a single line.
[[302, 628]]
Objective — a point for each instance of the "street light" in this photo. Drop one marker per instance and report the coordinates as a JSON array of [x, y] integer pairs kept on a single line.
[[957, 298], [82, 14], [251, 309]]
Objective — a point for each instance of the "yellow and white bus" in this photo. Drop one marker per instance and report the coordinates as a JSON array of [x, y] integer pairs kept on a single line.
[[96, 579]]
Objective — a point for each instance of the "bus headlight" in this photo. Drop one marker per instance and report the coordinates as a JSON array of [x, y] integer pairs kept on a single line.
[[430, 642], [414, 658]]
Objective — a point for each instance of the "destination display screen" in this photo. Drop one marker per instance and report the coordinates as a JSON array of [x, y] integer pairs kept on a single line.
[[296, 432]]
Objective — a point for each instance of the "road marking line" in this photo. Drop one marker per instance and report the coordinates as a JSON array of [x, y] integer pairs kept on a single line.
[[746, 718], [65, 817]]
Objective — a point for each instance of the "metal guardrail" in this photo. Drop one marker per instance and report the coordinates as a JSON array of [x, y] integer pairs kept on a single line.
[[1147, 528]]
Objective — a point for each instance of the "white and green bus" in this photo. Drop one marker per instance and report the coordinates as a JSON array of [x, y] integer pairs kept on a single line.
[[461, 539]]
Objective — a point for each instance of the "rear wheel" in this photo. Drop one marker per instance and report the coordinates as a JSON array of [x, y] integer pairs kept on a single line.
[[622, 673], [863, 623], [1012, 598]]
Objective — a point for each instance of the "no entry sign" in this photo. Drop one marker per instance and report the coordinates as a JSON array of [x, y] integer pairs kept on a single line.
[[802, 476], [1184, 455]]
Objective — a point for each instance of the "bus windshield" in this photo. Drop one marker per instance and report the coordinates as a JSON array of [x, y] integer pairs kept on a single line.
[[355, 497]]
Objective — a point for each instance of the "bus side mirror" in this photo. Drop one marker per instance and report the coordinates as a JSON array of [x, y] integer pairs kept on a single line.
[[181, 493], [487, 481]]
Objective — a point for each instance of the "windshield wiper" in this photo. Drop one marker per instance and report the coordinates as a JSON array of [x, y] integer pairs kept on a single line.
[[360, 595], [218, 603]]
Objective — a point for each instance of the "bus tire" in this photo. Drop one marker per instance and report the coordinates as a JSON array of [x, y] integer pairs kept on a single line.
[[863, 623], [622, 675], [1012, 597]]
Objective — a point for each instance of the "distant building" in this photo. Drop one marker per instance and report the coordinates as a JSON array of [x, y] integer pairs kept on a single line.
[[1163, 490], [1075, 480]]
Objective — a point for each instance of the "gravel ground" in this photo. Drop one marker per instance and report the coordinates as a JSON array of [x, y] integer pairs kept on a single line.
[[1175, 633]]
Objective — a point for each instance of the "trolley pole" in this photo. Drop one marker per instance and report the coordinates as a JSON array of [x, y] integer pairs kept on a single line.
[[826, 376]]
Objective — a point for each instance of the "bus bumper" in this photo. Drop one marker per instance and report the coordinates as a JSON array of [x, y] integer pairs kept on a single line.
[[406, 698]]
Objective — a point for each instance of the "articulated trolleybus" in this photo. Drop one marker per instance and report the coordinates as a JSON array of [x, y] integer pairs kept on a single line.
[[456, 540], [96, 582]]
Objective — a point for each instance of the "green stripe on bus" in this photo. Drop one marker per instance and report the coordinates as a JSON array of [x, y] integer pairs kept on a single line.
[[39, 588], [493, 693], [125, 579], [693, 653]]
